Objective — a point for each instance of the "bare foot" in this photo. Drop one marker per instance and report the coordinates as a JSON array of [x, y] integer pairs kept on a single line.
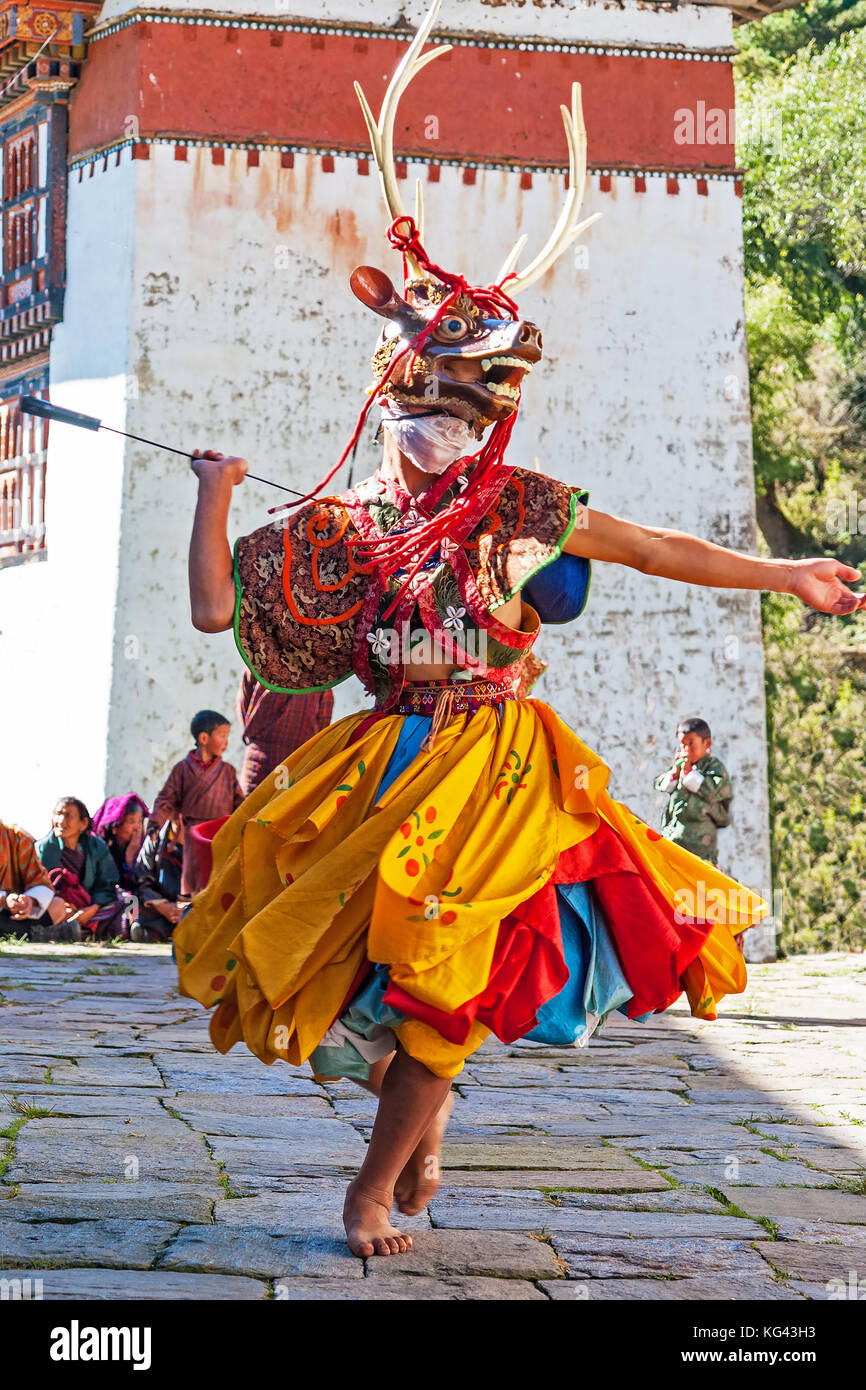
[[417, 1184], [367, 1219]]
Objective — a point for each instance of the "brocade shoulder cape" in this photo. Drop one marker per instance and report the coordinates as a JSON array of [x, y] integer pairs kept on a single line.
[[308, 613]]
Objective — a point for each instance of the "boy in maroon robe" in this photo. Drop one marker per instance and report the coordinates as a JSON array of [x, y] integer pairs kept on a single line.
[[275, 724], [200, 788]]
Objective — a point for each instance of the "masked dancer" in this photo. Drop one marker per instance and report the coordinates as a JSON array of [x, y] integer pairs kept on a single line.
[[450, 863]]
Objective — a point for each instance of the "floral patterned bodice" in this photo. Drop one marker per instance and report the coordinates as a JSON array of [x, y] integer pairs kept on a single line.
[[308, 613]]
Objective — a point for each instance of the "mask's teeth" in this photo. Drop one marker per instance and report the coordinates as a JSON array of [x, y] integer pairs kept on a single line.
[[511, 392], [500, 360]]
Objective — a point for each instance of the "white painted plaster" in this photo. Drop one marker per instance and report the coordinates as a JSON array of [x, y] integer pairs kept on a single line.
[[563, 21]]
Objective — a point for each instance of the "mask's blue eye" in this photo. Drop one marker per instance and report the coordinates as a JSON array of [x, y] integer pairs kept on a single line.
[[452, 328]]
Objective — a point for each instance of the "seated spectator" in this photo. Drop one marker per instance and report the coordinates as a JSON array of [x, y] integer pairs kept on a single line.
[[25, 887], [120, 822], [82, 871], [159, 870]]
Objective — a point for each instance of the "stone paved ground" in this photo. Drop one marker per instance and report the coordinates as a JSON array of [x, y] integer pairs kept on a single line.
[[674, 1160]]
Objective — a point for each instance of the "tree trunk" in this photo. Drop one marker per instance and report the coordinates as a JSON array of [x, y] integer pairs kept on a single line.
[[781, 535]]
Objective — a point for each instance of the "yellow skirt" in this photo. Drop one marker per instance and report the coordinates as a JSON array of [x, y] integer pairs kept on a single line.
[[313, 878]]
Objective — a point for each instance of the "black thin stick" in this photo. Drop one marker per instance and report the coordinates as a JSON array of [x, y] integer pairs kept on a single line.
[[168, 448]]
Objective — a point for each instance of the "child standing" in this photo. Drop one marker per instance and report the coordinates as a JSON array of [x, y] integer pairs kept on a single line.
[[699, 793], [200, 788]]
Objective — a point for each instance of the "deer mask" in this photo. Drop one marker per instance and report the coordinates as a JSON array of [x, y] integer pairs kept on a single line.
[[439, 322]]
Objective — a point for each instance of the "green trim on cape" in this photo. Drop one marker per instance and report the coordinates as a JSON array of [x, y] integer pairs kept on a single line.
[[278, 689], [582, 497]]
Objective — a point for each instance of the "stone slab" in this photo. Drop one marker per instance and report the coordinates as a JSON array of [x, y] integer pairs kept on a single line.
[[842, 1136], [102, 1201], [835, 1291], [102, 1014], [768, 1172], [814, 1262], [412, 1288], [825, 1159], [721, 1138], [779, 1092], [471, 1133], [608, 1180], [27, 996], [214, 1082], [317, 1209], [227, 1075], [524, 1211], [20, 1071], [493, 1254], [630, 1074], [507, 1106], [130, 1244], [643, 1225], [133, 1285], [73, 1049], [538, 1152], [671, 1199], [708, 1157], [259, 1127], [608, 1258], [102, 1129], [723, 1289], [730, 1111], [256, 1105], [590, 1074], [633, 1123], [109, 1157], [514, 1073], [361, 1111], [83, 1103], [809, 1204], [821, 1232], [315, 1144], [254, 1251]]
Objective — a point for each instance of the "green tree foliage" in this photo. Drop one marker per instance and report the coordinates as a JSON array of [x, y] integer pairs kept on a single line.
[[801, 95], [816, 687], [803, 132]]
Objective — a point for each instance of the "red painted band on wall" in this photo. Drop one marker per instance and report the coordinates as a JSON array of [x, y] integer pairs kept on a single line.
[[215, 83]]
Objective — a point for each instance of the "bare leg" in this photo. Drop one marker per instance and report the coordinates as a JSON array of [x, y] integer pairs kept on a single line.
[[377, 1075], [409, 1097], [418, 1182]]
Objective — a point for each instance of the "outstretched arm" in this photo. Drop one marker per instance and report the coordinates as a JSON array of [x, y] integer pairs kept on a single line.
[[676, 555], [211, 577]]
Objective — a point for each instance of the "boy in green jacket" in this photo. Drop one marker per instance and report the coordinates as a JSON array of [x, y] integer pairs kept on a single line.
[[699, 793]]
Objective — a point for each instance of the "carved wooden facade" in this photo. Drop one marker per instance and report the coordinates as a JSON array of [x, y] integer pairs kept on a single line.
[[41, 49]]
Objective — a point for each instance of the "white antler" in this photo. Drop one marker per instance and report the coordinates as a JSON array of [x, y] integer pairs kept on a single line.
[[565, 231], [382, 131]]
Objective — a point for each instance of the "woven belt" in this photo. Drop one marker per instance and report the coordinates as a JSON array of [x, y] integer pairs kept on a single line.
[[465, 696], [441, 699]]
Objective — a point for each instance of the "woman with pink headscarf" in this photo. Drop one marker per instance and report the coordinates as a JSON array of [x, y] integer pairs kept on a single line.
[[120, 822]]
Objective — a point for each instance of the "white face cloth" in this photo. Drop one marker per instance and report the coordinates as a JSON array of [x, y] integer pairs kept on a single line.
[[432, 442]]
